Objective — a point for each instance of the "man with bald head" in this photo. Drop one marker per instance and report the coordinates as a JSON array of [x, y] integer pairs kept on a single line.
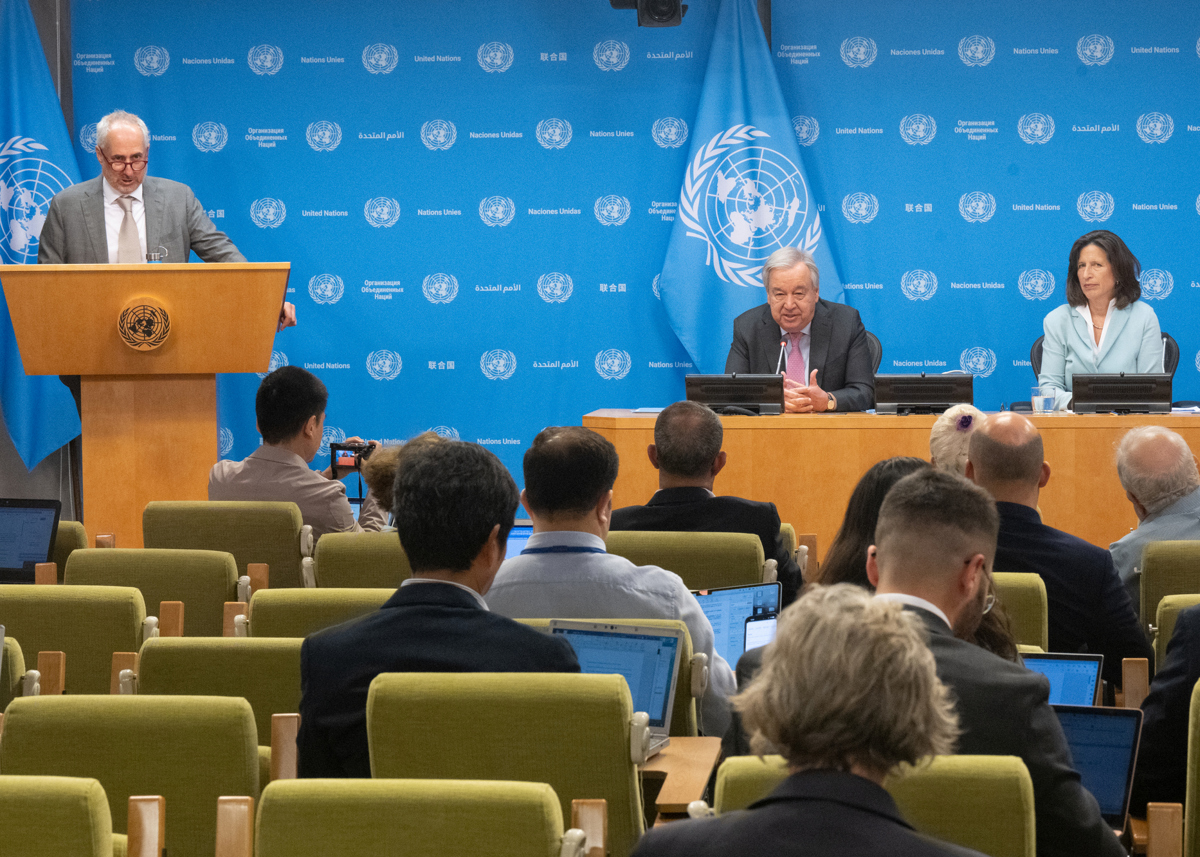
[[1089, 609], [1158, 473]]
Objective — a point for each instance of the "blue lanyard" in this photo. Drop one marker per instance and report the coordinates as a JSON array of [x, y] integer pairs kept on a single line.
[[564, 549]]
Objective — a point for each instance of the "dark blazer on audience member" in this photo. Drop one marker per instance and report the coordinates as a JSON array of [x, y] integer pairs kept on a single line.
[[838, 350], [693, 510], [1090, 610], [1162, 757], [424, 627], [810, 814]]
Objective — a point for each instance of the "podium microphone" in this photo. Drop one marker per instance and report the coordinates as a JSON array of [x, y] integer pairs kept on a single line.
[[782, 351]]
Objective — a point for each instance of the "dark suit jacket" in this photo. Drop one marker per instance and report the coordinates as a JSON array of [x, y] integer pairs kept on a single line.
[[1162, 759], [810, 814], [424, 627], [1090, 610], [838, 351], [692, 510]]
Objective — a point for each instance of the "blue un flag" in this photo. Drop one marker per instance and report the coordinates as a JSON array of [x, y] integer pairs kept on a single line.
[[744, 195], [36, 162]]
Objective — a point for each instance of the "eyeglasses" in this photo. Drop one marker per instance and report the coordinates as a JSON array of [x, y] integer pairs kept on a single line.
[[137, 164]]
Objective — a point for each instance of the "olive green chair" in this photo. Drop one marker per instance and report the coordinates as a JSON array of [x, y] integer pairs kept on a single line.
[[71, 536], [68, 816], [365, 560], [202, 580], [252, 531], [569, 730], [1168, 611], [189, 749], [1168, 568], [1024, 598], [12, 668], [87, 623], [300, 612], [703, 560]]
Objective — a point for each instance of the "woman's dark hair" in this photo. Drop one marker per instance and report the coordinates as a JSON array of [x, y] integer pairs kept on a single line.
[[1125, 268], [995, 632], [846, 560]]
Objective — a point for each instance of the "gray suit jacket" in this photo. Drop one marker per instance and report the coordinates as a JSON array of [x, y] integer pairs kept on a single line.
[[838, 351], [73, 233]]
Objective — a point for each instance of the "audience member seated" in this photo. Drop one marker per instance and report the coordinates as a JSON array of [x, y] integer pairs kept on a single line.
[[565, 572], [1158, 473], [290, 408], [379, 471], [950, 437], [836, 648], [687, 455], [454, 507], [1089, 609]]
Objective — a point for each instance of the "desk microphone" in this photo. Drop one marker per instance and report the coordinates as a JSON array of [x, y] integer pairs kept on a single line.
[[782, 351]]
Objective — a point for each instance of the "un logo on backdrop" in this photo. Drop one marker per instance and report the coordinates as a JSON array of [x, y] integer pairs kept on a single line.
[[669, 132], [151, 60], [612, 364], [438, 134], [210, 136], [498, 364], [1036, 284], [326, 288], [380, 59], [977, 206], [1156, 284], [976, 50], [268, 213], [654, 287], [384, 365], [807, 130], [440, 288], [1035, 127], [612, 210], [918, 285], [1155, 127], [1095, 206], [555, 288], [494, 56], [447, 432], [278, 358], [224, 442], [328, 436], [1094, 50], [87, 137], [918, 129], [858, 52], [27, 184], [497, 210], [860, 207], [382, 211], [324, 136], [265, 59], [611, 55], [554, 133], [978, 361]]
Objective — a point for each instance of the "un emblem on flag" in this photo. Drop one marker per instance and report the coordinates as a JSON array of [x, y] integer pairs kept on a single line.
[[611, 55], [860, 207], [265, 59], [326, 288], [555, 288], [27, 185], [976, 50], [440, 288], [384, 365], [323, 136], [669, 132], [554, 133], [977, 206], [1094, 49], [612, 364], [807, 129], [447, 432], [1095, 206], [494, 56], [918, 129], [278, 358], [1035, 127], [1155, 127], [210, 136], [144, 324], [380, 58], [918, 285], [1156, 284], [382, 211], [151, 60], [268, 213], [612, 210], [978, 361], [496, 210], [1036, 284], [498, 364], [858, 52], [438, 134]]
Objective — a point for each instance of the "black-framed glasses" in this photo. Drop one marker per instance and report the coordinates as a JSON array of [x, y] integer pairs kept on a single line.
[[136, 164]]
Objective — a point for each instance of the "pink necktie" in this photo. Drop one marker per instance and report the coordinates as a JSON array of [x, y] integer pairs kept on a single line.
[[795, 361]]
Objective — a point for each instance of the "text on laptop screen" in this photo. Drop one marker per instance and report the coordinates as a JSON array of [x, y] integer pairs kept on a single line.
[[25, 535], [518, 537], [727, 611], [646, 661], [1072, 682], [1102, 749]]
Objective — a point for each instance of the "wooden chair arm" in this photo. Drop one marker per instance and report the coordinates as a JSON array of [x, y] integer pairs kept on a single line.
[[591, 816], [284, 758], [147, 826], [235, 827], [53, 667], [45, 574], [259, 574], [1164, 823], [1135, 681], [170, 619], [106, 540], [121, 661], [809, 540], [233, 609]]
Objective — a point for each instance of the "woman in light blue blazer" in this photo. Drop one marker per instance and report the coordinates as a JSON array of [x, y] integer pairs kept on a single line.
[[1104, 327]]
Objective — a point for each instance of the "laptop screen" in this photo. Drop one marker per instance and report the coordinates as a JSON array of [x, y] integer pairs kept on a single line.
[[518, 537], [27, 531], [1074, 679], [1104, 744], [647, 661], [738, 613]]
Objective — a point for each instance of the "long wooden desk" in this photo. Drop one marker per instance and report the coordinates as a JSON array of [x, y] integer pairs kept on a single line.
[[684, 767], [807, 464]]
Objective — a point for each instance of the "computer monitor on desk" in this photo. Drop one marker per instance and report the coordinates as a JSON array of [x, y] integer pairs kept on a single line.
[[922, 394], [1122, 394], [757, 394]]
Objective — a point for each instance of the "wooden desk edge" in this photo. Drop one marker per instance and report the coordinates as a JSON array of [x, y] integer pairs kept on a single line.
[[686, 764]]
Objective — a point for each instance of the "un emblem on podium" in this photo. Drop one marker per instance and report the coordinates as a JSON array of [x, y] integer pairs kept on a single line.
[[144, 323]]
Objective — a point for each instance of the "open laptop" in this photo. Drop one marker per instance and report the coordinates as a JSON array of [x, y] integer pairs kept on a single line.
[[518, 537], [27, 531], [1074, 679], [1104, 745], [742, 617], [647, 657]]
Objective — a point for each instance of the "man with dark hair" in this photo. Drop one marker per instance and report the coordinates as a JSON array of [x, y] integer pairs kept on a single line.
[[687, 455], [454, 507], [1089, 609], [290, 408], [565, 571]]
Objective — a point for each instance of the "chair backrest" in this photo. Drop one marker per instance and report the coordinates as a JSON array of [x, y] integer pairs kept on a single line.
[[1170, 354], [253, 531], [202, 580], [1168, 568], [789, 537], [876, 349], [437, 818], [741, 780], [300, 612], [568, 730], [1024, 598], [703, 560], [87, 623], [71, 536], [683, 718], [54, 815], [12, 667], [189, 749], [265, 672], [1169, 609], [1191, 804], [1035, 355], [364, 560]]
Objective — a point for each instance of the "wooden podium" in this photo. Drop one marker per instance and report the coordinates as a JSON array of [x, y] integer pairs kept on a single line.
[[149, 416]]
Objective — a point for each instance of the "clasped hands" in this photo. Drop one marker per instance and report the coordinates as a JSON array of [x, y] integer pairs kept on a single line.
[[800, 399]]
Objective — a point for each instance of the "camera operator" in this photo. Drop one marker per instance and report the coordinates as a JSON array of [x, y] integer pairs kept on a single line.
[[290, 408]]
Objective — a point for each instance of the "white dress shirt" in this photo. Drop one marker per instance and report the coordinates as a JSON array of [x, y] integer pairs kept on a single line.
[[114, 215], [1086, 312], [914, 601], [478, 598]]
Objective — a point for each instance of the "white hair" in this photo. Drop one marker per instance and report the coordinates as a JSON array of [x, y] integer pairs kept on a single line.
[[120, 117], [786, 258], [1156, 466], [950, 437]]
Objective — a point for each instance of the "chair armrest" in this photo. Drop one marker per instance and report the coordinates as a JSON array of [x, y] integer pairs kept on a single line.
[[122, 662], [53, 669], [284, 757], [699, 809], [699, 674], [233, 609], [106, 540], [307, 542], [308, 573], [170, 619], [260, 576], [591, 816], [770, 571], [31, 683], [235, 827], [147, 826], [639, 737], [1135, 681], [45, 574], [1164, 823]]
